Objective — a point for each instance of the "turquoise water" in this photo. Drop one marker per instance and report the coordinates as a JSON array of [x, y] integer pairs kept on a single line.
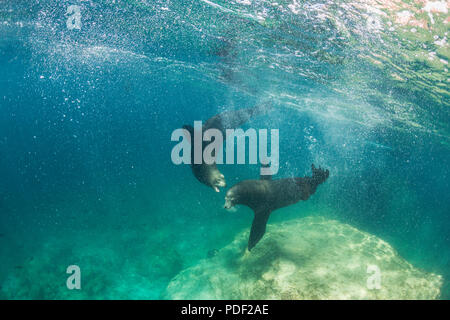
[[86, 176]]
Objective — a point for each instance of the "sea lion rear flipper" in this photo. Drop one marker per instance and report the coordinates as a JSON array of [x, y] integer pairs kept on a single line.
[[308, 185], [319, 175], [258, 227]]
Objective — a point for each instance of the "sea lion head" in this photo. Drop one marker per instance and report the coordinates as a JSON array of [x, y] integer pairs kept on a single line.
[[217, 180], [231, 198]]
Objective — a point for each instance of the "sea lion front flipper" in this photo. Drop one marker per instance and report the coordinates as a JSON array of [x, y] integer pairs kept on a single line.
[[258, 227]]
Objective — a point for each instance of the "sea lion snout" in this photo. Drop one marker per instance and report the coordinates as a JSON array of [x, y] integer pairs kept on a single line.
[[229, 200], [228, 204], [219, 182]]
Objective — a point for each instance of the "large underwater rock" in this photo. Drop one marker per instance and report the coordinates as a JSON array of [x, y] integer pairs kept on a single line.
[[310, 258]]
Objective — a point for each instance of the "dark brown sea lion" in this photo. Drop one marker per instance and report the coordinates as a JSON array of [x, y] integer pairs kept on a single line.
[[208, 174], [266, 195]]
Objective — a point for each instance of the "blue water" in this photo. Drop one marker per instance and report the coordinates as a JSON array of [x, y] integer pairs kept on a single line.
[[86, 116]]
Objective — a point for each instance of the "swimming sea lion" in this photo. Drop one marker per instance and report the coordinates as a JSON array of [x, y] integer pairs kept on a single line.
[[208, 174], [265, 195]]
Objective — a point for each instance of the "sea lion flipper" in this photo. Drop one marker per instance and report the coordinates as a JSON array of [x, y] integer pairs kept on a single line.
[[319, 175], [258, 227]]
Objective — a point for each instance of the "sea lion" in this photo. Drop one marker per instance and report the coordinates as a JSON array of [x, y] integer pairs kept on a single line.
[[208, 174], [266, 195]]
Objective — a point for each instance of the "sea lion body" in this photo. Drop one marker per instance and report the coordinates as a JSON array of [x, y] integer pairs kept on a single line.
[[209, 174], [265, 195]]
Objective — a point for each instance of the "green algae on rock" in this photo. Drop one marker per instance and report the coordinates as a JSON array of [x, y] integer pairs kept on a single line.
[[310, 258]]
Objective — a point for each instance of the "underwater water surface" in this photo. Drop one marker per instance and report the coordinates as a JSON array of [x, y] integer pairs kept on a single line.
[[86, 115]]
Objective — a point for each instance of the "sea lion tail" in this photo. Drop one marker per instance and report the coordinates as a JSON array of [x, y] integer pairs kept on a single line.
[[258, 227]]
